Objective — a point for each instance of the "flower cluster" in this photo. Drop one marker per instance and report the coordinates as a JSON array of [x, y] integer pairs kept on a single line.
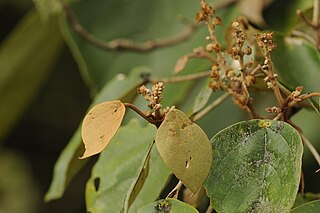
[[153, 95]]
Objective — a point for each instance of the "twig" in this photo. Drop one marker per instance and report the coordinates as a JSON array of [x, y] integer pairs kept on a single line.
[[315, 16], [210, 107], [304, 18], [304, 35], [125, 44], [209, 209], [176, 79], [175, 192], [134, 108], [310, 147]]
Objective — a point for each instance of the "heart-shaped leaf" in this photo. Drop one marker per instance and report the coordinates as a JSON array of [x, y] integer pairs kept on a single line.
[[168, 205], [256, 167], [185, 148], [100, 125]]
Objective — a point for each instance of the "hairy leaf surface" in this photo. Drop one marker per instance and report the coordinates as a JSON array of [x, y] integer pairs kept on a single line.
[[185, 148], [100, 125], [256, 167]]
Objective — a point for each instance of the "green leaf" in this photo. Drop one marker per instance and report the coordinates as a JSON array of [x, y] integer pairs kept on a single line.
[[139, 181], [118, 169], [311, 207], [297, 63], [168, 205], [202, 98], [26, 59], [120, 87], [255, 168], [185, 148]]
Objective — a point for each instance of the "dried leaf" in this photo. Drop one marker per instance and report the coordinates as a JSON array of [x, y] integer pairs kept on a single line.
[[185, 148], [100, 125], [181, 63]]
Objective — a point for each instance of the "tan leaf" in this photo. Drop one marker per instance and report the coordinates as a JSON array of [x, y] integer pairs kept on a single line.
[[100, 125], [181, 63], [185, 148]]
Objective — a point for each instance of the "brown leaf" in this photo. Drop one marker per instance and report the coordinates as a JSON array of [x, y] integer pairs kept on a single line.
[[181, 63], [100, 125]]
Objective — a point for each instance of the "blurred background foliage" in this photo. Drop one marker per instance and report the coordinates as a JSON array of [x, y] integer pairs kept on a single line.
[[49, 76]]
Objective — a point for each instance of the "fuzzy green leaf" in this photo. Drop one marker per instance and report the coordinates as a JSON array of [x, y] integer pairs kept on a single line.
[[256, 167], [185, 148], [168, 205]]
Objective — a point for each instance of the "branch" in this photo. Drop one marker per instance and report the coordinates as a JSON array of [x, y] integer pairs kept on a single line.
[[310, 147], [125, 44], [134, 108], [176, 79], [175, 192]]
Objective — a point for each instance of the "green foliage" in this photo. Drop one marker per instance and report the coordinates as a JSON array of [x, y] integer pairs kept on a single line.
[[256, 167], [251, 166], [22, 76], [118, 169]]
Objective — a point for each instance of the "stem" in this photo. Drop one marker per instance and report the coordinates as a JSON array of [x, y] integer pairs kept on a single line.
[[304, 18], [125, 44], [310, 147], [175, 192], [209, 209], [197, 116], [315, 16], [304, 35], [134, 108], [176, 79]]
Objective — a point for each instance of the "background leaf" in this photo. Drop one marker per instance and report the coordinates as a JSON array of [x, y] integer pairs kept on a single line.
[[185, 148], [297, 63], [168, 205], [311, 207], [118, 167], [22, 76], [256, 167]]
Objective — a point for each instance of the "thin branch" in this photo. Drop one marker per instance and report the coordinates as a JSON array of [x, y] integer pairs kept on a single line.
[[209, 209], [304, 18], [176, 79], [315, 16], [210, 107], [125, 44], [304, 35], [175, 192], [310, 147], [134, 108]]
